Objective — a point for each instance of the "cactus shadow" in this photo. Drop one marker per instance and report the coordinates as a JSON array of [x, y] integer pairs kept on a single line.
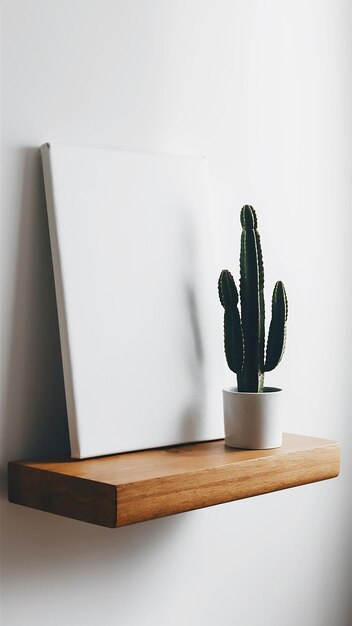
[[190, 420]]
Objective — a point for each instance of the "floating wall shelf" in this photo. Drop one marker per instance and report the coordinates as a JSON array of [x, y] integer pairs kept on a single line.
[[137, 486]]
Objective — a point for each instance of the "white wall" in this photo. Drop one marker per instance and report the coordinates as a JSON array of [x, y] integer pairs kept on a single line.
[[264, 88]]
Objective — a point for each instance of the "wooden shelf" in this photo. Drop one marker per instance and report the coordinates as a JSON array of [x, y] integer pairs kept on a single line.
[[137, 486]]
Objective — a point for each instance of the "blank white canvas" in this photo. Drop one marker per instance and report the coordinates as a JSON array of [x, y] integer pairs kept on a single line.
[[136, 294]]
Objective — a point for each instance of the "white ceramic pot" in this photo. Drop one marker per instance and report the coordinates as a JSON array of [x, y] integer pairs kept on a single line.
[[253, 421]]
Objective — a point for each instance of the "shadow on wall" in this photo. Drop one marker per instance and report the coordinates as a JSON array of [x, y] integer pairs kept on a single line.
[[35, 421]]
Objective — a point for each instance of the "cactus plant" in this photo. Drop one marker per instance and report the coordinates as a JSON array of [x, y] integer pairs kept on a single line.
[[245, 334]]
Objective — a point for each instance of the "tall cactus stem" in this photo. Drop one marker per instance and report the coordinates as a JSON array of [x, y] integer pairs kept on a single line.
[[252, 300]]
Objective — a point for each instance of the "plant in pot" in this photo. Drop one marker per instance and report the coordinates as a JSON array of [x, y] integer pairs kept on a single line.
[[252, 412]]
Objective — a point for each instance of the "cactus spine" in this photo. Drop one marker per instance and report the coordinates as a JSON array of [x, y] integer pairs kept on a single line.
[[245, 334]]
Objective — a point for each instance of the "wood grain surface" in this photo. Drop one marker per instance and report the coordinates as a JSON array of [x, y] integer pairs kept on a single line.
[[137, 486]]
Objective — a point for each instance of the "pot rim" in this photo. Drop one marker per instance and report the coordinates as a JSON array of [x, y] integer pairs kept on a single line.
[[266, 390]]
